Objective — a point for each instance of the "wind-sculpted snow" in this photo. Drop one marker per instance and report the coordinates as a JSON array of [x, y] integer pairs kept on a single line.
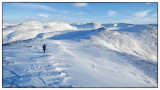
[[139, 40], [108, 55]]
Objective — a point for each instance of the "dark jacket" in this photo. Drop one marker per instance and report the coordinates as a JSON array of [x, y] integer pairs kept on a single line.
[[44, 46]]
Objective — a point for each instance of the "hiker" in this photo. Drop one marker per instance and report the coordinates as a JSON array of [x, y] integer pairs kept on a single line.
[[44, 47]]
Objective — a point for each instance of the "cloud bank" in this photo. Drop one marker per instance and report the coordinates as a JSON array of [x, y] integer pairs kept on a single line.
[[80, 4], [111, 13]]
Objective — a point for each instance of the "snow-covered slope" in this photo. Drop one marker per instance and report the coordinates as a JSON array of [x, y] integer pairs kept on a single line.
[[139, 40], [31, 29], [58, 26], [105, 56]]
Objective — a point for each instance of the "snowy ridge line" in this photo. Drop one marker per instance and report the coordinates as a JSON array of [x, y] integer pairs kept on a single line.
[[34, 29], [140, 41], [83, 34]]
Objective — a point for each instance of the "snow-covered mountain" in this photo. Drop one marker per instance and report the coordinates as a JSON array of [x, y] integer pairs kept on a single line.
[[32, 29], [86, 26], [79, 55]]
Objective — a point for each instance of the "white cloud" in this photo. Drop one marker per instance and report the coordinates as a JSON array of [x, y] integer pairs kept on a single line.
[[146, 20], [139, 20], [111, 13], [141, 17], [43, 15], [148, 3], [79, 13], [80, 4], [35, 6], [154, 15], [141, 13]]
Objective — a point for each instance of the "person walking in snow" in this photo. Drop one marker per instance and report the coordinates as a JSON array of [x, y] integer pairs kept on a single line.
[[44, 47]]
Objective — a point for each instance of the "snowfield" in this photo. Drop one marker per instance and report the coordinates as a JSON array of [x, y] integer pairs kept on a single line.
[[79, 55]]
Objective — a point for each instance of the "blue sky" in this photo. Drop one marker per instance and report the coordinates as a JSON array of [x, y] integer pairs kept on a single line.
[[137, 13]]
